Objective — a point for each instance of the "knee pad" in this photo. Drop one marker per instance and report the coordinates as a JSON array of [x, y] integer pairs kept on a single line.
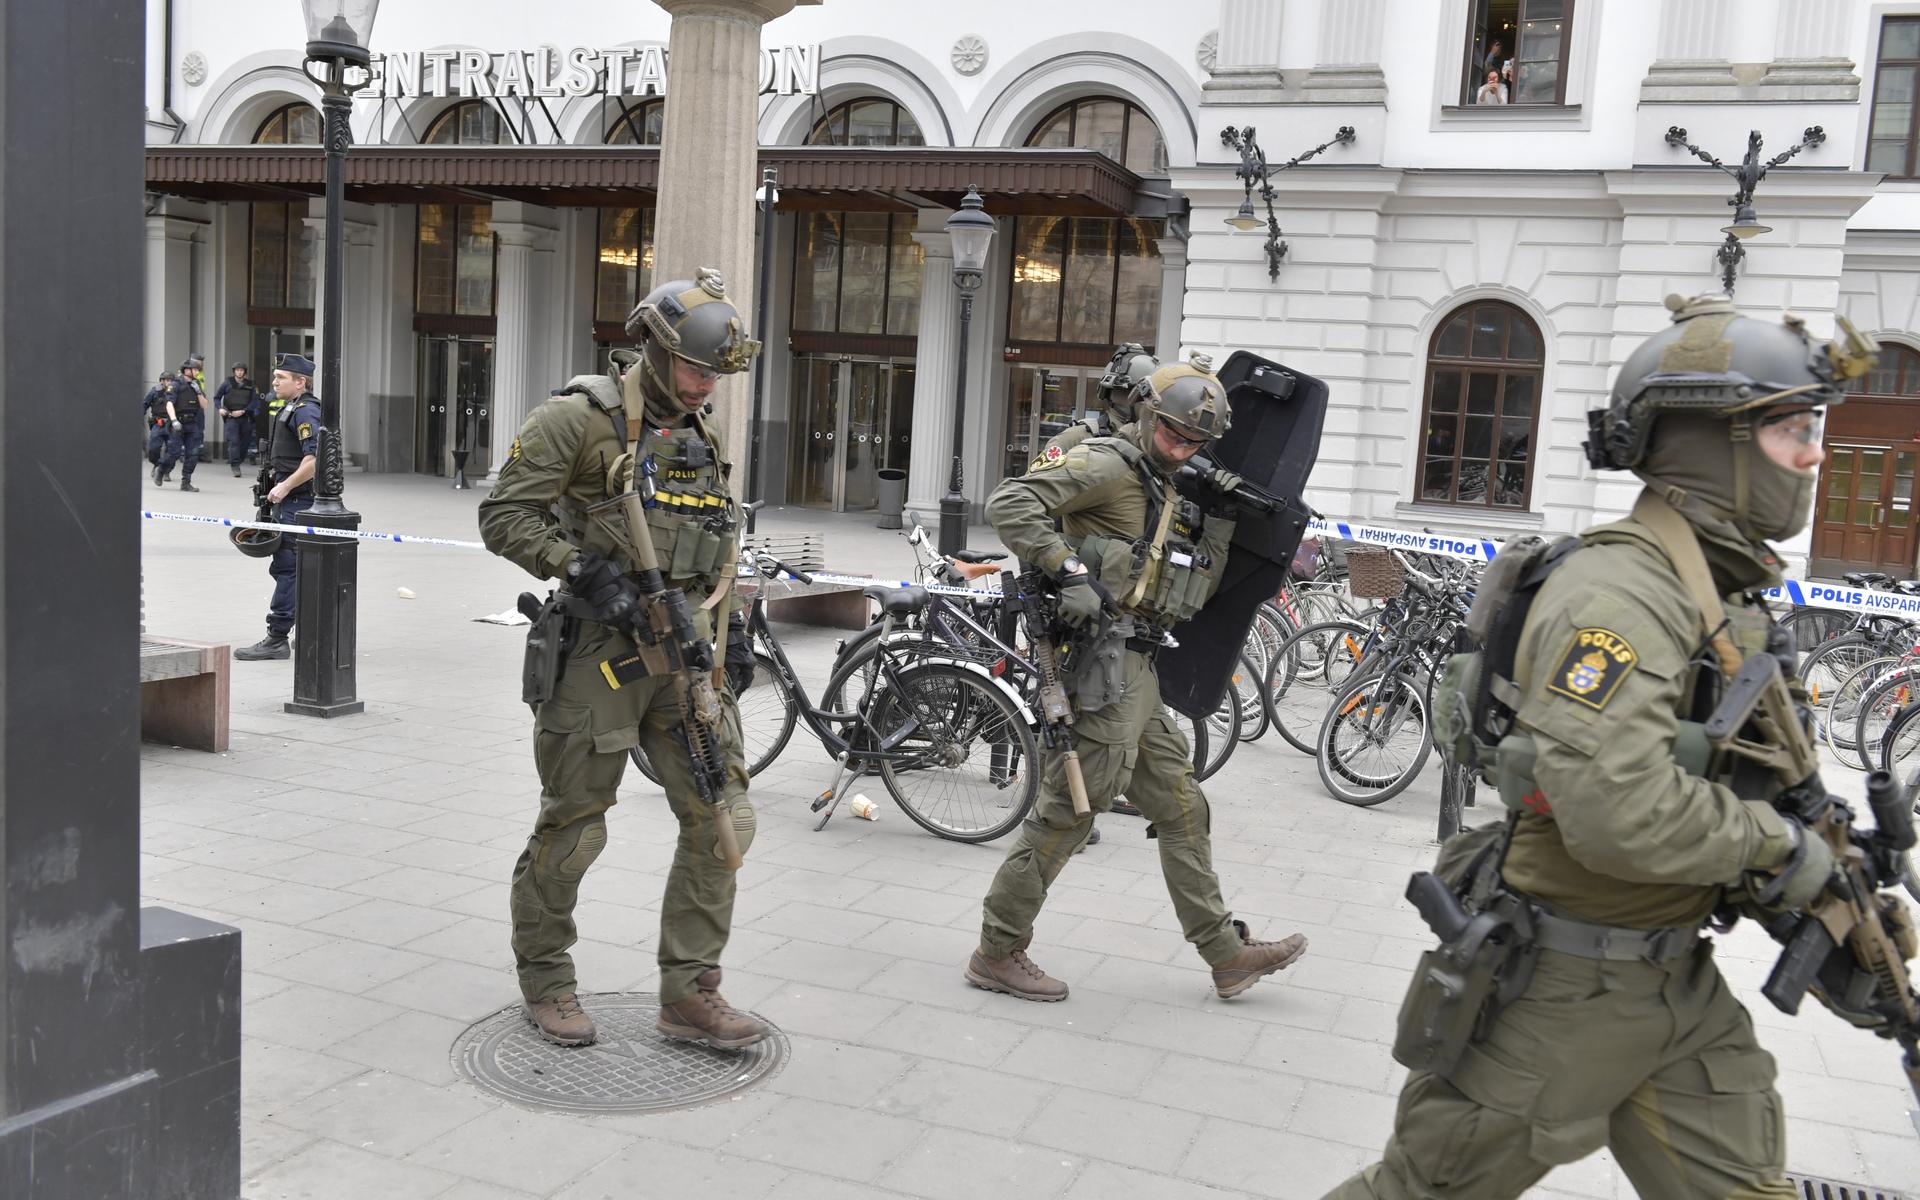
[[576, 846], [740, 812]]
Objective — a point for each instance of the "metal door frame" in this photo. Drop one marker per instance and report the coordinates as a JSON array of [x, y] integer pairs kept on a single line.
[[1089, 378], [843, 407], [449, 344]]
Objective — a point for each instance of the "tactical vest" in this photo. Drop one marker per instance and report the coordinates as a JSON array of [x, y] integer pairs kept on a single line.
[[186, 403], [691, 517], [284, 453], [1160, 573]]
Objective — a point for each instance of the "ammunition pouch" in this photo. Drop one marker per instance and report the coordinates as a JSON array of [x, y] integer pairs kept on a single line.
[[1095, 666], [549, 642]]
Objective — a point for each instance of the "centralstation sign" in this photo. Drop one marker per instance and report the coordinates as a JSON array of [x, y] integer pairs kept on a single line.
[[549, 71]]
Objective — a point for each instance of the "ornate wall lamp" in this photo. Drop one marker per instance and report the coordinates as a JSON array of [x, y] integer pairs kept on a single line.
[[1747, 175], [1254, 168]]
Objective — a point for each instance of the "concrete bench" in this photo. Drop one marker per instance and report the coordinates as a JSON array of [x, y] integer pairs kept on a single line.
[[834, 605], [184, 693]]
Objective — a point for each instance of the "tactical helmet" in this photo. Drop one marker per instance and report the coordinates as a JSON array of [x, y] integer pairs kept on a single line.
[[1129, 365], [1188, 398], [1713, 362], [690, 319], [255, 543]]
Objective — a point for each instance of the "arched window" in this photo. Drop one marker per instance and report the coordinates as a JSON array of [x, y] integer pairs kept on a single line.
[[869, 121], [296, 124], [1895, 376], [639, 125], [1117, 128], [1482, 408], [468, 123], [280, 257]]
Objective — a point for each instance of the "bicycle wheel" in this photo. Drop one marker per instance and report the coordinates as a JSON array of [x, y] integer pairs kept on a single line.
[[1812, 627], [1901, 740], [767, 718], [1197, 741], [970, 768], [1300, 682], [1880, 703], [1245, 687], [1374, 740], [1268, 629], [1824, 670], [1317, 604], [1836, 723]]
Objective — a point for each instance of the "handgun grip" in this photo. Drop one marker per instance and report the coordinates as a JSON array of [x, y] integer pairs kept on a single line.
[[1077, 784], [1439, 907]]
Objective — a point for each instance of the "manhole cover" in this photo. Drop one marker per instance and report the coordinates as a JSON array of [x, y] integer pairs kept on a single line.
[[630, 1069]]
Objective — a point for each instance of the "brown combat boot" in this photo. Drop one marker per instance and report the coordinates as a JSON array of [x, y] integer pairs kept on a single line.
[[562, 1021], [1016, 975], [706, 1017], [1255, 960]]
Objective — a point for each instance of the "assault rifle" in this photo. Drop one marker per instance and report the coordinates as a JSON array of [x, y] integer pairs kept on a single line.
[[664, 632], [1038, 612], [1194, 480], [1851, 945], [262, 485]]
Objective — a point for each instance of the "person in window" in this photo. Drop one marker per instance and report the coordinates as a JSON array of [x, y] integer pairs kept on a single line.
[[1491, 92], [1508, 82], [1496, 56]]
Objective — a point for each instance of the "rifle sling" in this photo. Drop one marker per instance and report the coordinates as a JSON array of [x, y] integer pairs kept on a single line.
[[1677, 538]]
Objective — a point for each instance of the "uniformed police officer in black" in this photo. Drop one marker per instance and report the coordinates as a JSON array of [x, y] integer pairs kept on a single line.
[[186, 411], [292, 443], [237, 399], [154, 407]]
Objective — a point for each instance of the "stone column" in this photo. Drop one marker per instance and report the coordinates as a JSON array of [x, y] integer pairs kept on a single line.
[[1691, 52], [1347, 67], [1173, 296], [173, 229], [935, 361], [522, 337], [356, 368], [709, 149], [1249, 52], [1811, 51]]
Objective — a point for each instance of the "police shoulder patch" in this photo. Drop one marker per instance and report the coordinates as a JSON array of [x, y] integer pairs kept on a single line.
[[1052, 456], [1592, 668], [306, 429]]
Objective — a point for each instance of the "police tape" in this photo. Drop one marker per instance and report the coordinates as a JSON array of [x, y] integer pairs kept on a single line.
[[1802, 593], [365, 535]]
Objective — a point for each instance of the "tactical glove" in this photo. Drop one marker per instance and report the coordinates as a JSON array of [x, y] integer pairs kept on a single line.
[[605, 588], [1224, 481], [739, 654], [1804, 875], [175, 426], [1081, 598]]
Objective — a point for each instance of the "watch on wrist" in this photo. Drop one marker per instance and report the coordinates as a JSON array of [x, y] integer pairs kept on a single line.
[[1071, 565]]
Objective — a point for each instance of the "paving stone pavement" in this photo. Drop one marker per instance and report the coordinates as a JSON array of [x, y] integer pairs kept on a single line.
[[365, 860]]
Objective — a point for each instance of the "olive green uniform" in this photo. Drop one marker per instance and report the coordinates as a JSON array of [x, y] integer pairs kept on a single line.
[[536, 517], [1099, 492], [1650, 1055]]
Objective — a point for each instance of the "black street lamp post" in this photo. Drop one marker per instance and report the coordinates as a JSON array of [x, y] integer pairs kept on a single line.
[[971, 231], [1254, 168], [326, 602], [767, 197], [1747, 175]]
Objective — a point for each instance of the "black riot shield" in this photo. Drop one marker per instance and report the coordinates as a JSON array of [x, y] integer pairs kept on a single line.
[[1273, 442]]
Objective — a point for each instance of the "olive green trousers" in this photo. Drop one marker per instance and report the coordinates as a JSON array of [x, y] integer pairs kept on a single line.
[[580, 745], [1657, 1062], [1129, 746]]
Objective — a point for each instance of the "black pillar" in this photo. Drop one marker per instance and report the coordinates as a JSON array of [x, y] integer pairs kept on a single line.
[[953, 505], [326, 595], [78, 1096]]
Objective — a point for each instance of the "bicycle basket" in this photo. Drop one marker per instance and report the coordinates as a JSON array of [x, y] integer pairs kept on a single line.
[[1374, 574]]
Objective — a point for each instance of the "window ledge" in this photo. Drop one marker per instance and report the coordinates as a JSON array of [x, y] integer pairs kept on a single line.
[[1463, 519], [1504, 118]]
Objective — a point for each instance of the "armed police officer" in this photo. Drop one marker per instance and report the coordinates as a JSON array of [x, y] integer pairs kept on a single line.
[[1131, 558], [293, 446], [154, 408], [560, 511], [185, 407], [1129, 365], [238, 402], [1624, 836]]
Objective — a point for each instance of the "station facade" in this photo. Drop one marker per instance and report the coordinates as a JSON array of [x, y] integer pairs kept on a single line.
[[1465, 272]]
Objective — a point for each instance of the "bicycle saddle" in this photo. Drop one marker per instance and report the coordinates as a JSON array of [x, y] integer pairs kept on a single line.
[[974, 570], [1868, 578], [975, 556], [895, 601], [1907, 587]]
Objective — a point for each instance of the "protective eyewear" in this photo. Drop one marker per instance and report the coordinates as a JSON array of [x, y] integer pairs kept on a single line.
[[1808, 426], [703, 374]]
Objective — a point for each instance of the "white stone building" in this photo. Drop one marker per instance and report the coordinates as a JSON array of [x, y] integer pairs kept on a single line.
[[1464, 274]]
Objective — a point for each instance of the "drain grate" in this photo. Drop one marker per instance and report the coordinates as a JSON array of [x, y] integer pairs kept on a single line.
[[630, 1069], [1812, 1187]]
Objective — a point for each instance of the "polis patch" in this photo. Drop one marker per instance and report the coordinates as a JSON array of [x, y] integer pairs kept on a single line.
[[306, 430], [1592, 668]]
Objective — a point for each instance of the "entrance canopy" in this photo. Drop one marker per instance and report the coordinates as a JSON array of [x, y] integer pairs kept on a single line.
[[825, 178]]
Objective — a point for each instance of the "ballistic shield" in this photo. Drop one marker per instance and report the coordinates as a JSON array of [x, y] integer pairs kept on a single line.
[[1273, 443]]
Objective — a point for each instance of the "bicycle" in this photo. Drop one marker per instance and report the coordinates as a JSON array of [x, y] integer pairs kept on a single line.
[[953, 745]]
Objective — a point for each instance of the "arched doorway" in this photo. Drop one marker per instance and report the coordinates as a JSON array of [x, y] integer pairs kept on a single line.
[[1864, 518]]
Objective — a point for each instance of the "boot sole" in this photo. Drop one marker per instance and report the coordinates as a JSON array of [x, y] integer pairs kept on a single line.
[[989, 984], [685, 1033], [1229, 992], [555, 1038]]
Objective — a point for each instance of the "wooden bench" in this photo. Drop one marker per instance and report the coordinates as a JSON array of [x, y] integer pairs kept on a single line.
[[184, 693]]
